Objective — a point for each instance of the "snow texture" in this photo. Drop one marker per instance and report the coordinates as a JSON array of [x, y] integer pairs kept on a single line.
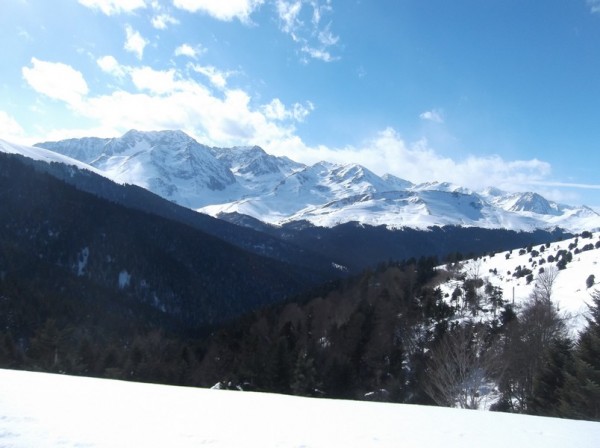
[[44, 410]]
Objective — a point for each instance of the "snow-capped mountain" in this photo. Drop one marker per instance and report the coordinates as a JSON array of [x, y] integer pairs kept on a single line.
[[255, 170], [45, 155], [277, 190], [327, 195], [168, 163]]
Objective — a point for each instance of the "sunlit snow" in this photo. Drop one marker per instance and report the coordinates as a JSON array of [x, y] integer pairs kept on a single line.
[[570, 292], [43, 410]]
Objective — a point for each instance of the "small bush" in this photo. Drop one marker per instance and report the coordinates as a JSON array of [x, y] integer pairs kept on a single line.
[[590, 281]]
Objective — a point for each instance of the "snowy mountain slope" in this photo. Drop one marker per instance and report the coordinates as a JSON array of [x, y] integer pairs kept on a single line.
[[85, 149], [276, 190], [45, 155], [302, 197], [168, 163], [570, 291], [46, 410], [254, 169]]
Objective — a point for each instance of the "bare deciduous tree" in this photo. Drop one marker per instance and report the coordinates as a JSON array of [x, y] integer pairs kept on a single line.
[[457, 369], [527, 339], [544, 284]]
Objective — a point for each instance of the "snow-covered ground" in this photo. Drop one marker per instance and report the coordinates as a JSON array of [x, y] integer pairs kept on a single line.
[[43, 410], [569, 292]]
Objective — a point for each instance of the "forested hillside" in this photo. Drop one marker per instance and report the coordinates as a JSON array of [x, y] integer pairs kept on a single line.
[[64, 246], [393, 334]]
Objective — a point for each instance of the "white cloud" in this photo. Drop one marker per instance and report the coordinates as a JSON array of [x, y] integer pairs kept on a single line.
[[56, 80], [567, 185], [134, 42], [110, 7], [434, 115], [315, 39], [22, 33], [594, 5], [288, 12], [162, 21], [189, 51], [327, 38], [318, 53], [276, 110], [167, 99], [9, 128], [154, 81], [417, 162], [221, 9], [216, 77], [110, 65]]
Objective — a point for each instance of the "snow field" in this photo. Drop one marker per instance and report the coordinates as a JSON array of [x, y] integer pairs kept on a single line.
[[569, 292], [44, 410]]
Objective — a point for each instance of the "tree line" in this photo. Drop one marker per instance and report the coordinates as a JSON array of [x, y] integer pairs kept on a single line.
[[389, 334]]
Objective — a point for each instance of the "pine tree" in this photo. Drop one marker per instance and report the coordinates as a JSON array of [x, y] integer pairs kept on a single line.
[[581, 392], [304, 379], [548, 384]]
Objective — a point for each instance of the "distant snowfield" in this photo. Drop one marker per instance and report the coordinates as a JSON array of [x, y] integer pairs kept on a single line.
[[43, 410]]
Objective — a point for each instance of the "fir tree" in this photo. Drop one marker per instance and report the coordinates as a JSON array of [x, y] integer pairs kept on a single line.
[[304, 380], [581, 392], [548, 384]]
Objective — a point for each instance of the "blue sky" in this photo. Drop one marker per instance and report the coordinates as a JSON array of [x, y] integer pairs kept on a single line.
[[475, 92]]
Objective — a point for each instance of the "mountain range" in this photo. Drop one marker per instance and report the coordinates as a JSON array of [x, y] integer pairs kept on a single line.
[[276, 190]]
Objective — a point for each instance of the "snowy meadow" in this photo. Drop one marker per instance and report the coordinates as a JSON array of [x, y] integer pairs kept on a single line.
[[44, 410]]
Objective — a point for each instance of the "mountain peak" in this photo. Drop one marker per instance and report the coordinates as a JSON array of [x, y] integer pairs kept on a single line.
[[276, 190], [164, 137], [534, 203]]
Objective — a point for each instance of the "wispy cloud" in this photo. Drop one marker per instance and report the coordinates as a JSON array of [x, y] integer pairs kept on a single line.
[[276, 110], [435, 115], [221, 9], [594, 5], [162, 21], [567, 185], [22, 33], [216, 77], [134, 42], [302, 20], [110, 7], [288, 12], [315, 38], [10, 129]]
